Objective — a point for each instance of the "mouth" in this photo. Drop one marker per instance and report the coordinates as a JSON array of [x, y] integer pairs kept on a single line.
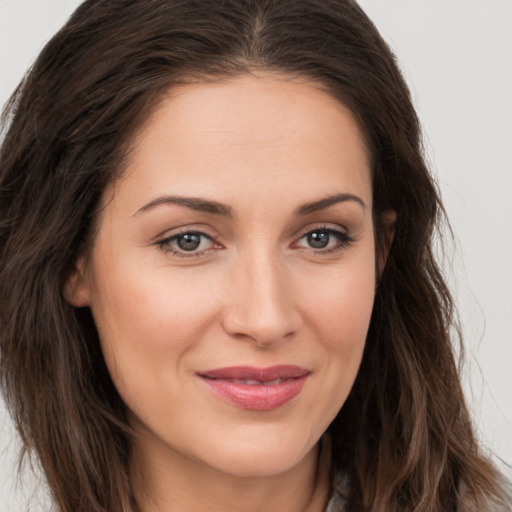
[[257, 389]]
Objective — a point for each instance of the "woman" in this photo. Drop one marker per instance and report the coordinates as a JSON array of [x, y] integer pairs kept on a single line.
[[217, 287]]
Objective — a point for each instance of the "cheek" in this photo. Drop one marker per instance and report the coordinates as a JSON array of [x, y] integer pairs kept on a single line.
[[149, 326], [338, 309], [343, 329], [340, 301], [147, 319]]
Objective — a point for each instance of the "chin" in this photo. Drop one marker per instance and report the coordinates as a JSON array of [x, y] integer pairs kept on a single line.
[[256, 457]]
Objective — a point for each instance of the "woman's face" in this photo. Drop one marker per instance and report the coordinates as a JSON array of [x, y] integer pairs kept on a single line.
[[232, 278]]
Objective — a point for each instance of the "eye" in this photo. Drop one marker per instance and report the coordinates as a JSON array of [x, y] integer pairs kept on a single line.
[[189, 243], [325, 240], [318, 239]]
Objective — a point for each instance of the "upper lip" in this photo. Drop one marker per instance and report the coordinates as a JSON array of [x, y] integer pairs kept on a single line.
[[271, 373]]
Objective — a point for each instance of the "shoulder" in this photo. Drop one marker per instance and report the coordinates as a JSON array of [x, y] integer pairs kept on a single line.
[[340, 490]]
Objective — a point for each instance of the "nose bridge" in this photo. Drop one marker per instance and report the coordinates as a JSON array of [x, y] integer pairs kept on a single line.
[[262, 305]]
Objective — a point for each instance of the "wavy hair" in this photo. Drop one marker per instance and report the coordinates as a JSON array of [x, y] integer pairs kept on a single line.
[[403, 439]]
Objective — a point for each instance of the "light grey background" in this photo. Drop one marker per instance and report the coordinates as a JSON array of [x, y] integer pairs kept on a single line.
[[457, 57]]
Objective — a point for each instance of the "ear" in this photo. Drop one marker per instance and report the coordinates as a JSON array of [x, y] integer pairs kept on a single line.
[[77, 289], [387, 221]]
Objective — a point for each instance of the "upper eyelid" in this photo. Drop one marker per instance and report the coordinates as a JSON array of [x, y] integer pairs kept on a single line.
[[181, 230], [165, 244], [342, 233], [187, 232], [325, 228], [174, 236], [329, 226], [214, 235]]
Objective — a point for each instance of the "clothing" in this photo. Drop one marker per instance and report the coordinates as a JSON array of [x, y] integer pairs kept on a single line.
[[340, 491], [337, 502]]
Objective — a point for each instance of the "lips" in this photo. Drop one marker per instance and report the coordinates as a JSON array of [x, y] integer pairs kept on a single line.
[[259, 389]]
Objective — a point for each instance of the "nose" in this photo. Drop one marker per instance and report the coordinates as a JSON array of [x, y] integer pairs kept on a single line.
[[262, 304]]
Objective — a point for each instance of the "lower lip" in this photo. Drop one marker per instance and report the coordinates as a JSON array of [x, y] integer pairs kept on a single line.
[[257, 397]]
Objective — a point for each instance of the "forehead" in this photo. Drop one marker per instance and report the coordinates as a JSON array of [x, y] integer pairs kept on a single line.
[[249, 134]]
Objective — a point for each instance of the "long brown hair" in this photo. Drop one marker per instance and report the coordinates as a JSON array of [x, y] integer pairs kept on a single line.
[[403, 439]]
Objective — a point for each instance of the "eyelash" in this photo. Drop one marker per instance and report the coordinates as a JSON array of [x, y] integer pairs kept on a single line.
[[343, 238], [166, 246]]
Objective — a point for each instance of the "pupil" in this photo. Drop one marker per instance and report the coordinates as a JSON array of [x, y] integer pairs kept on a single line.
[[189, 241], [318, 239]]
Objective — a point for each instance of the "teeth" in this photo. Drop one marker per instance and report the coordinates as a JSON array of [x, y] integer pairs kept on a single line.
[[250, 382], [273, 382], [247, 382]]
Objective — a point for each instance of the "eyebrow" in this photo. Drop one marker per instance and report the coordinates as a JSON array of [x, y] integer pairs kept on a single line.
[[194, 203], [215, 208], [325, 203]]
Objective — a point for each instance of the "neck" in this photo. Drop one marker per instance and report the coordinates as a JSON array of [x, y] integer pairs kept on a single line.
[[171, 482]]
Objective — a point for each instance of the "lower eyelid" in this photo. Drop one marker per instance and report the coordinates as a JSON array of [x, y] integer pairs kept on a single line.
[[343, 239], [167, 244]]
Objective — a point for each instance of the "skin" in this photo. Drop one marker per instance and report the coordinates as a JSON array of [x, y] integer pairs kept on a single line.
[[255, 292]]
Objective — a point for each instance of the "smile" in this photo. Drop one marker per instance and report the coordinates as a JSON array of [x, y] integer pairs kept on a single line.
[[249, 382], [258, 389]]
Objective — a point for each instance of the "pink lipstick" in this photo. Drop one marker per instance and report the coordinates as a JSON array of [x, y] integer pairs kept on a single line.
[[258, 389]]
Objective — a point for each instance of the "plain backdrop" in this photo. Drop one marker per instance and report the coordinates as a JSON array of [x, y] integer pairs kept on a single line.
[[457, 58]]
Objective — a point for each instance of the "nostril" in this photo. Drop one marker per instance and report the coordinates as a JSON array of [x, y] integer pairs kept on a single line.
[[261, 330], [262, 305]]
